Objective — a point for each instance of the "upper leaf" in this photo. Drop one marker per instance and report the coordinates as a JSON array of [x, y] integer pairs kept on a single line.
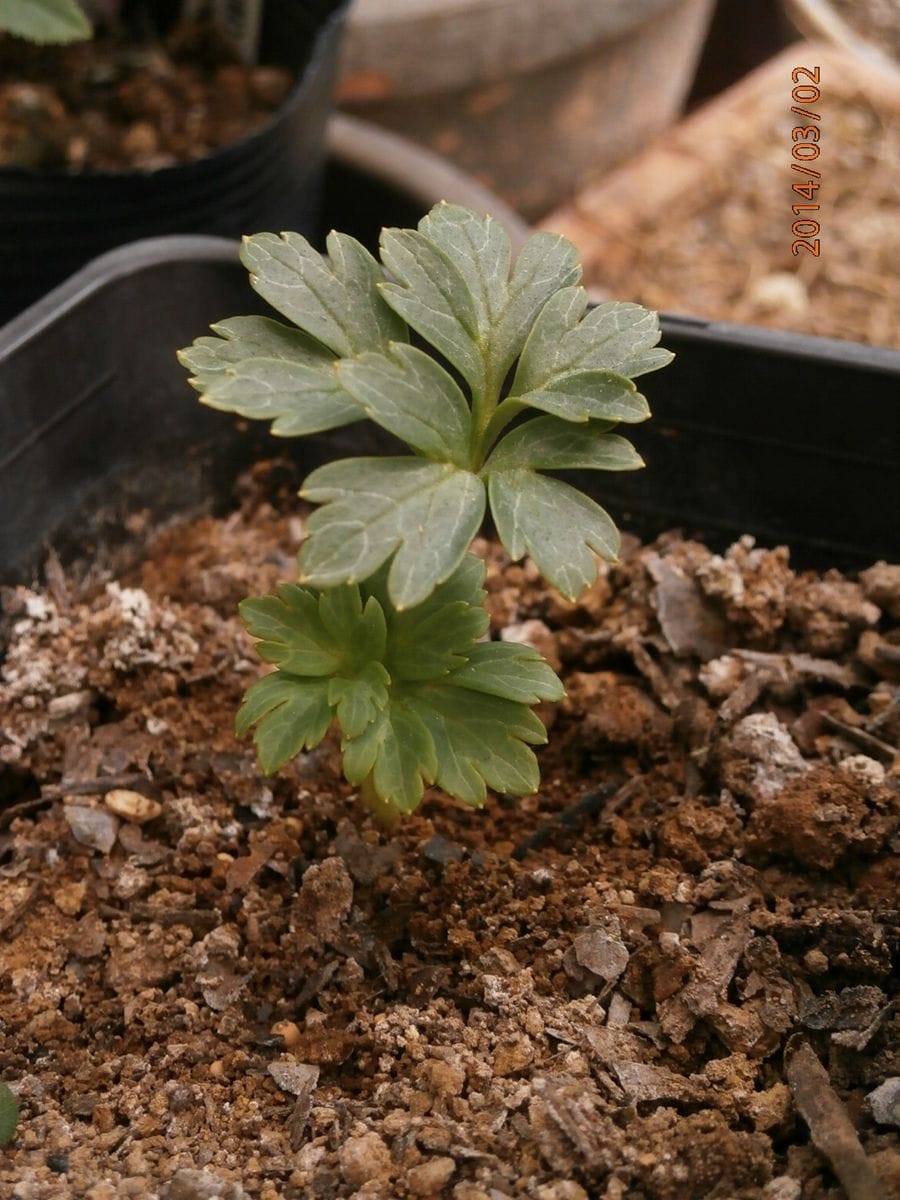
[[614, 337], [450, 284], [423, 513], [336, 300], [554, 523], [433, 297], [265, 370], [585, 395]]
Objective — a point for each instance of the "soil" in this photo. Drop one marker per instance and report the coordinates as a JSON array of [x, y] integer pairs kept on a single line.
[[668, 976], [116, 104]]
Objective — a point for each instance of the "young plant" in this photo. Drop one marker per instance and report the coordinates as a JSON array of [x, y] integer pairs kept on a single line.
[[45, 21], [382, 632]]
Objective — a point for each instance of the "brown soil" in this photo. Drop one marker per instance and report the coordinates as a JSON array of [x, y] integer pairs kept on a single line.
[[666, 977], [112, 104]]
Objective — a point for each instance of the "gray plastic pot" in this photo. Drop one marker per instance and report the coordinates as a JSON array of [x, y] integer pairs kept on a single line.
[[54, 221], [530, 97]]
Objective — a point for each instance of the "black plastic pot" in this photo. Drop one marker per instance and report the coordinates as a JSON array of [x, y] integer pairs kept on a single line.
[[52, 222], [793, 439]]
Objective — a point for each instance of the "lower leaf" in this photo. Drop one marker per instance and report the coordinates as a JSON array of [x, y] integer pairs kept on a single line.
[[290, 715]]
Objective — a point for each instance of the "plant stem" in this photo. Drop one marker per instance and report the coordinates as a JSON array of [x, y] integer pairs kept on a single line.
[[501, 417], [385, 813]]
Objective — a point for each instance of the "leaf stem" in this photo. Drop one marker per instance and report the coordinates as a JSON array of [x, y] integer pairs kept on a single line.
[[500, 418], [385, 813]]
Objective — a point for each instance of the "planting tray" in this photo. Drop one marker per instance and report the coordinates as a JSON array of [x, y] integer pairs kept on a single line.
[[792, 439]]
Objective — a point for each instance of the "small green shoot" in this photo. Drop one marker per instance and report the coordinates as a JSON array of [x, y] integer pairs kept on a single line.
[[494, 377]]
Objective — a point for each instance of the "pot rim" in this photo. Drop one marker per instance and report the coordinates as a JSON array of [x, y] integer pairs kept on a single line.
[[234, 149]]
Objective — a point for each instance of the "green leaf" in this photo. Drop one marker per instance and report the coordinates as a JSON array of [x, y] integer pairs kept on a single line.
[[413, 397], [552, 445], [583, 395], [9, 1114], [336, 300], [240, 338], [480, 248], [45, 21], [290, 714], [510, 671], [431, 639], [292, 632], [299, 399], [432, 296], [554, 523], [613, 338], [548, 262], [479, 741], [399, 753], [358, 701], [450, 284], [427, 513], [262, 369], [359, 629]]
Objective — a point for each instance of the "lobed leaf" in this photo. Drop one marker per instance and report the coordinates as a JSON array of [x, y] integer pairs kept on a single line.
[[425, 514], [336, 300], [240, 338], [480, 741], [547, 443], [297, 399], [413, 397], [291, 632], [480, 248], [430, 293], [554, 523], [548, 262], [439, 634], [614, 337], [510, 671], [290, 714], [451, 283], [358, 702], [398, 752], [589, 395], [262, 369]]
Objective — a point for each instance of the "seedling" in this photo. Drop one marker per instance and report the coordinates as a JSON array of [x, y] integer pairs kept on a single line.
[[445, 348], [45, 20]]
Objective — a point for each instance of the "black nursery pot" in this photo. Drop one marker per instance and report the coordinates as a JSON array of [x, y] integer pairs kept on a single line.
[[52, 222], [792, 439]]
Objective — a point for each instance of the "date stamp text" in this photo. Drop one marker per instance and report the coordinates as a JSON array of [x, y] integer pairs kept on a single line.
[[805, 151]]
